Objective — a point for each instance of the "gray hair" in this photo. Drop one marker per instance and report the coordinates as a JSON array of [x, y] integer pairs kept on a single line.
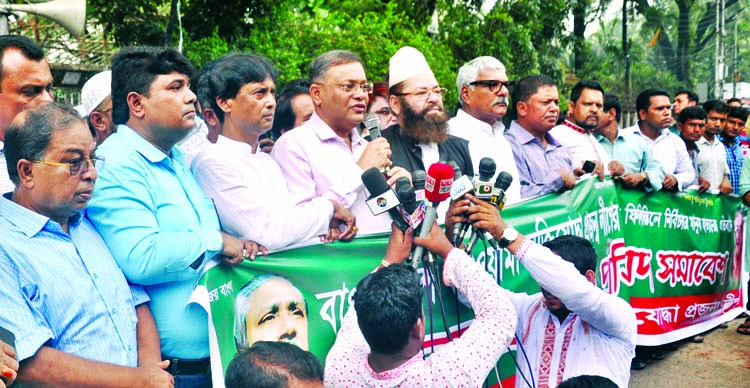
[[330, 59], [29, 135], [470, 71]]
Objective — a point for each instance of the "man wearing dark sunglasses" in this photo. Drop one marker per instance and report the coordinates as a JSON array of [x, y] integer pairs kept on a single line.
[[483, 90]]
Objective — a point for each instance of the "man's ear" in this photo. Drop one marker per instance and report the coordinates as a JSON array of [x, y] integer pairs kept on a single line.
[[225, 104], [642, 114], [571, 106], [522, 108], [135, 104], [591, 276], [315, 94], [25, 173], [395, 105], [465, 95]]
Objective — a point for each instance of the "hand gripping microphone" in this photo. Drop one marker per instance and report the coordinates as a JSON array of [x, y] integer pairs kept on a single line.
[[437, 189], [462, 185], [372, 123], [412, 210], [382, 198], [502, 183]]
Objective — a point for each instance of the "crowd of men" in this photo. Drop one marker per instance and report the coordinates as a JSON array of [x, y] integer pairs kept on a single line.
[[107, 221]]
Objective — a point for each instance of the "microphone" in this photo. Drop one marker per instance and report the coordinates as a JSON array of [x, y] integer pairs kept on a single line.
[[483, 182], [412, 210], [382, 198], [462, 185], [418, 180], [437, 187], [372, 123], [502, 183]]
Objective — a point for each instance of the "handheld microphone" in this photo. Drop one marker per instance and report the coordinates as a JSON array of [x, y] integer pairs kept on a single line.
[[462, 185], [372, 123], [502, 183], [418, 179], [483, 182], [437, 187], [412, 210], [382, 198]]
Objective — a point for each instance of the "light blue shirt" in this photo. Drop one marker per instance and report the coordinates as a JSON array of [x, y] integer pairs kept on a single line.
[[635, 156], [64, 290], [536, 163], [157, 222]]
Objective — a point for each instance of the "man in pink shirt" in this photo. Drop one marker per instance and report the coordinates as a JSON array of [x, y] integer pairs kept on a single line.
[[325, 157]]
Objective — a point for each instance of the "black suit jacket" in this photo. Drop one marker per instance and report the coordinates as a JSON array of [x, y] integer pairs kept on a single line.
[[407, 154]]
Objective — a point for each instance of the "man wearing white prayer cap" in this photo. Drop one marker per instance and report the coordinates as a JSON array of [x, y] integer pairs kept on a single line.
[[97, 105], [415, 97]]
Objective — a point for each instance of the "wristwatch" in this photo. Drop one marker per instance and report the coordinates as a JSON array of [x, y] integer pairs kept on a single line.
[[509, 235]]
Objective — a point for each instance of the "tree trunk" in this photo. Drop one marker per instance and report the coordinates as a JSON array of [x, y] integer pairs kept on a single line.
[[171, 23], [579, 28]]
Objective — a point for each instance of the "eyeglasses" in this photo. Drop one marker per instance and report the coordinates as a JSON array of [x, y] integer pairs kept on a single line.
[[77, 166], [494, 85], [352, 87], [422, 94]]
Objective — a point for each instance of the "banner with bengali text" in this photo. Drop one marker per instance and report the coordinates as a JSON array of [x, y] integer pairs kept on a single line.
[[677, 258]]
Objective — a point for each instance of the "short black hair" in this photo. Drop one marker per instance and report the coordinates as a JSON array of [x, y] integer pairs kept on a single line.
[[284, 118], [691, 112], [643, 101], [715, 105], [329, 59], [200, 83], [388, 304], [734, 99], [587, 381], [235, 71], [134, 70], [691, 95], [611, 101], [578, 88], [28, 136], [576, 250], [28, 48], [737, 112], [525, 88], [270, 364]]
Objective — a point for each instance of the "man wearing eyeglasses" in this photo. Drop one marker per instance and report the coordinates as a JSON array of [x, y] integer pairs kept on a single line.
[[416, 99], [76, 320], [25, 82], [483, 89], [325, 156]]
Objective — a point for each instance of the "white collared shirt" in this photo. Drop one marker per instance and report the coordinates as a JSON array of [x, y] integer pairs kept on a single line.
[[252, 198], [671, 152], [580, 146], [488, 141], [316, 162], [712, 161]]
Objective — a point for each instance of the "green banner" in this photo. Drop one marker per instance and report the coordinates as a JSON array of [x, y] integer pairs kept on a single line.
[[674, 257]]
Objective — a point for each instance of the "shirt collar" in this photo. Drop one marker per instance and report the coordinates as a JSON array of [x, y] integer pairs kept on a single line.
[[735, 143], [497, 127], [324, 132], [28, 221], [145, 148], [525, 137], [238, 146], [574, 127]]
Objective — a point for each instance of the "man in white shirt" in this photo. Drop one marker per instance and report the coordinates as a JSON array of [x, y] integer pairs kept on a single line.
[[654, 111], [570, 328], [325, 156], [575, 133], [25, 82], [712, 160], [247, 185], [483, 95]]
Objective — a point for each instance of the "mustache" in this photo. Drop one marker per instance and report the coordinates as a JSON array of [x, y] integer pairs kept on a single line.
[[500, 100]]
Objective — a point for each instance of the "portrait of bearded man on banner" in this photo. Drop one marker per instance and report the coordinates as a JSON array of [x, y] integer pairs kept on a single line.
[[270, 308]]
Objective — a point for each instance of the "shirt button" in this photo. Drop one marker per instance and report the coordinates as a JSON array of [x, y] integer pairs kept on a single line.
[[96, 276], [113, 311]]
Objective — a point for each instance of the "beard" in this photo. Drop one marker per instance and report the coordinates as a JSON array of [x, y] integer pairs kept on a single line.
[[423, 128]]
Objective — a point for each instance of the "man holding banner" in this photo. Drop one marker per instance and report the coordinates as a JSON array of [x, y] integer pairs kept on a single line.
[[572, 327]]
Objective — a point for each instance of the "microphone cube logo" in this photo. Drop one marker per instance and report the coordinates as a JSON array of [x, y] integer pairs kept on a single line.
[[382, 202], [484, 190], [445, 186], [429, 184]]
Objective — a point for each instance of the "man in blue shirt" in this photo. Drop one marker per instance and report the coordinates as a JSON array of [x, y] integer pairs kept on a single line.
[[735, 126], [76, 320], [151, 212]]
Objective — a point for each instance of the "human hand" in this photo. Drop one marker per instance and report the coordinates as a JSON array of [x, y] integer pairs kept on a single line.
[[633, 180], [486, 216], [436, 242], [456, 214], [395, 173], [703, 185], [568, 177], [399, 245], [8, 365], [669, 183], [376, 154], [341, 216], [154, 375], [266, 145], [725, 187], [616, 168], [235, 250]]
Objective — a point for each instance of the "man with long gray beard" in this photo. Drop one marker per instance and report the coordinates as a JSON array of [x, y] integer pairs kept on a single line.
[[421, 137]]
